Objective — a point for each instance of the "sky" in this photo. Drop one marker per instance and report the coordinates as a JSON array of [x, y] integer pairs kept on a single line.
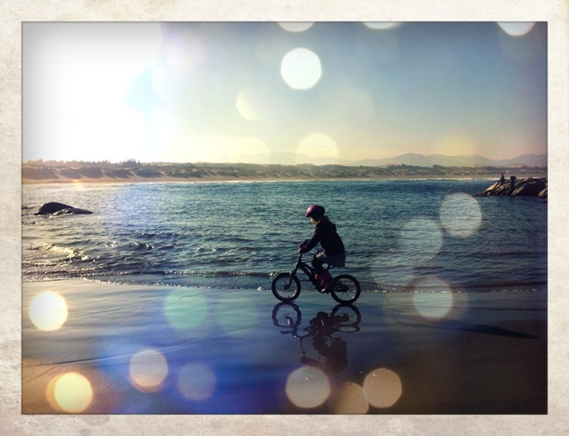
[[268, 92]]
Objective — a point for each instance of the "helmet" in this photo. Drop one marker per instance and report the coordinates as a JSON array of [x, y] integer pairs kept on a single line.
[[315, 211]]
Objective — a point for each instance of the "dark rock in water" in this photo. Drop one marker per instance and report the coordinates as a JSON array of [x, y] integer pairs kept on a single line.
[[71, 211], [528, 187], [531, 187], [59, 209]]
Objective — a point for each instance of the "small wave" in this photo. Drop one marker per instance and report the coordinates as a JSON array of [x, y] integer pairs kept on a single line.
[[142, 246], [68, 252]]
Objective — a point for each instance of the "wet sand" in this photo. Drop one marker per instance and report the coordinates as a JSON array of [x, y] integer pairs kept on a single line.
[[130, 349]]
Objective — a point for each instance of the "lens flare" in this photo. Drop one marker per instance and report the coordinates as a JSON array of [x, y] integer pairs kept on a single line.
[[48, 311], [301, 68], [246, 107], [71, 392], [308, 387], [392, 271], [196, 382], [436, 299], [381, 25], [167, 83], [296, 26], [316, 145], [349, 399], [185, 309], [182, 52], [455, 144], [382, 387], [250, 149], [516, 28], [147, 370], [230, 316], [460, 215], [420, 240]]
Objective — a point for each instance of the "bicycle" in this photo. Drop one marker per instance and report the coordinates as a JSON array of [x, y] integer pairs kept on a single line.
[[286, 286]]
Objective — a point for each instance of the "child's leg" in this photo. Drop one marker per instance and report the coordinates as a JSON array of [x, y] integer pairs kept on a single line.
[[324, 276], [317, 262]]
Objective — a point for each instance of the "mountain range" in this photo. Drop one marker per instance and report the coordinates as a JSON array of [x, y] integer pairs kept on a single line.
[[529, 160]]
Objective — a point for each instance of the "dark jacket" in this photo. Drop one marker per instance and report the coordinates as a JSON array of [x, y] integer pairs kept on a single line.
[[325, 234]]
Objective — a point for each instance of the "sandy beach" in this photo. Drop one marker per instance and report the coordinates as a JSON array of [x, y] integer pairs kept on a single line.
[[100, 348]]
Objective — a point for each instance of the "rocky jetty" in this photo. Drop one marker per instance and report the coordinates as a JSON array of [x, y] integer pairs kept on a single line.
[[513, 186], [54, 208]]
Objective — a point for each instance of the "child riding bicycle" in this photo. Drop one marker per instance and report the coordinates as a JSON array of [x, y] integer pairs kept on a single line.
[[333, 248]]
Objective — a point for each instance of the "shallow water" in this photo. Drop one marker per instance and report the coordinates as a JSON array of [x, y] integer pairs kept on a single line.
[[425, 235]]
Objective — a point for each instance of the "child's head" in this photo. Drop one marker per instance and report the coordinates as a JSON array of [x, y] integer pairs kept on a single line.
[[315, 213]]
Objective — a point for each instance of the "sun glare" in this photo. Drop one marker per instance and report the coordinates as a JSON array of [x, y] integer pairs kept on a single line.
[[420, 240], [196, 382], [455, 145], [70, 392], [185, 309], [349, 398], [516, 28], [460, 215], [381, 25], [48, 311], [296, 26], [434, 299], [382, 387], [301, 68], [308, 387], [316, 145], [147, 370], [246, 106]]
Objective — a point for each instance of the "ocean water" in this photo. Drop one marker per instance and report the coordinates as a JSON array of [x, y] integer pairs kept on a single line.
[[421, 235]]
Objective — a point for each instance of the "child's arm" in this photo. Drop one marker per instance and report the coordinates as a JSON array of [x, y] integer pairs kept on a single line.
[[312, 242]]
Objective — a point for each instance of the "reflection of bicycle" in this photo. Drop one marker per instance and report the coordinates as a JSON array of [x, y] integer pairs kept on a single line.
[[286, 286], [332, 351]]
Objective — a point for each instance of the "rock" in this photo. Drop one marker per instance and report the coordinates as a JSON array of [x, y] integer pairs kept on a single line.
[[59, 209], [498, 189], [71, 211], [531, 187], [543, 193], [526, 187]]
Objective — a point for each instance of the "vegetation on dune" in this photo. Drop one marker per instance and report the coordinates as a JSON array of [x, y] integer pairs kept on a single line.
[[76, 170]]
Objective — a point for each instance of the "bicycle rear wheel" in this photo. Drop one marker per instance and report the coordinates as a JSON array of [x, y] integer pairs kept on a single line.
[[286, 287], [348, 318], [346, 289]]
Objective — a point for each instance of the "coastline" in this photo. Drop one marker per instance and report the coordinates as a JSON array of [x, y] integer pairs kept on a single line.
[[487, 355], [110, 181], [136, 172]]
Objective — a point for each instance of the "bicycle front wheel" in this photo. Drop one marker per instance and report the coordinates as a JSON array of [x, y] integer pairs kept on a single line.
[[286, 287], [346, 289], [286, 315]]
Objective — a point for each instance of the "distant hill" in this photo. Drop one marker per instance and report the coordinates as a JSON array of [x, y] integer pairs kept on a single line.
[[421, 160], [530, 160]]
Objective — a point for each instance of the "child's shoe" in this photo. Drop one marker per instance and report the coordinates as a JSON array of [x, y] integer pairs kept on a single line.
[[327, 281]]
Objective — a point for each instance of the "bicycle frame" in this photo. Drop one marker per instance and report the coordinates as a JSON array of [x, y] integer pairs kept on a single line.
[[304, 267]]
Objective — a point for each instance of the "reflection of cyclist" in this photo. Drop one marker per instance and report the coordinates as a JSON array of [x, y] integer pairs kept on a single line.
[[335, 354], [333, 248]]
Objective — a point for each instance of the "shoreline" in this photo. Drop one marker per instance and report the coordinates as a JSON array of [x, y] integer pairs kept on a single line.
[[111, 181]]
